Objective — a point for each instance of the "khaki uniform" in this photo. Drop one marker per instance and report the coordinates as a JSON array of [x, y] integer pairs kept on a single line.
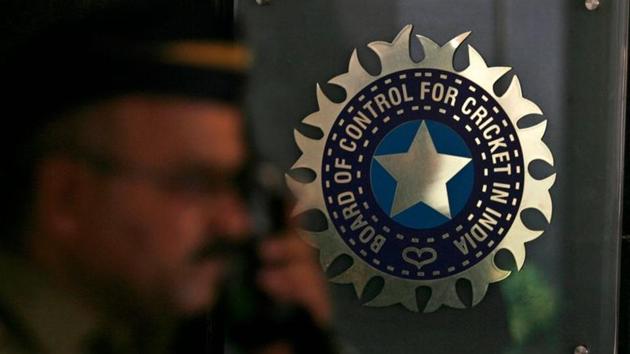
[[37, 317]]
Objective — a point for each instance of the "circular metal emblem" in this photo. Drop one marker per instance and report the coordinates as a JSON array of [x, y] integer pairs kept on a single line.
[[422, 173]]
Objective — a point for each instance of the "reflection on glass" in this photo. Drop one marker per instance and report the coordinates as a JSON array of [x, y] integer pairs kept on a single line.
[[532, 310]]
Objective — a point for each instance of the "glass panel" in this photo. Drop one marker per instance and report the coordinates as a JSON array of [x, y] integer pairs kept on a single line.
[[571, 62]]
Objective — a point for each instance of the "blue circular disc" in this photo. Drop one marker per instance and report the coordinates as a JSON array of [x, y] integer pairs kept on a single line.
[[450, 136]]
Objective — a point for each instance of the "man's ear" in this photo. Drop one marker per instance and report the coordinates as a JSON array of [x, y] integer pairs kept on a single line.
[[60, 197]]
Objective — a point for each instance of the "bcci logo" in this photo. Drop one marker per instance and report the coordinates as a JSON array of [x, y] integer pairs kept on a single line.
[[423, 174]]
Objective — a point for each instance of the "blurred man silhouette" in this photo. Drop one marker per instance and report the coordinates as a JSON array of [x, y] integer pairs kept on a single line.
[[122, 184]]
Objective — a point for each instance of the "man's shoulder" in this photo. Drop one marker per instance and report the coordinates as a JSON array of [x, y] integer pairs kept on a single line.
[[37, 314], [4, 338], [13, 338], [9, 339]]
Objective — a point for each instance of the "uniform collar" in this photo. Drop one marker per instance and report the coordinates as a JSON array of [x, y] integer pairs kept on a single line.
[[57, 320]]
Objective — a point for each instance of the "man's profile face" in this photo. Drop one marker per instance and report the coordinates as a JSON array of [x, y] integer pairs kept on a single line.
[[143, 226]]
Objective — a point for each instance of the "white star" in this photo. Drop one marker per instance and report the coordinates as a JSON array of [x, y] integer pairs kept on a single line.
[[421, 174]]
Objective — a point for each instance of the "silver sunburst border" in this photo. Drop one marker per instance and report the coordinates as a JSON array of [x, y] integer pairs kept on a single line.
[[394, 56]]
